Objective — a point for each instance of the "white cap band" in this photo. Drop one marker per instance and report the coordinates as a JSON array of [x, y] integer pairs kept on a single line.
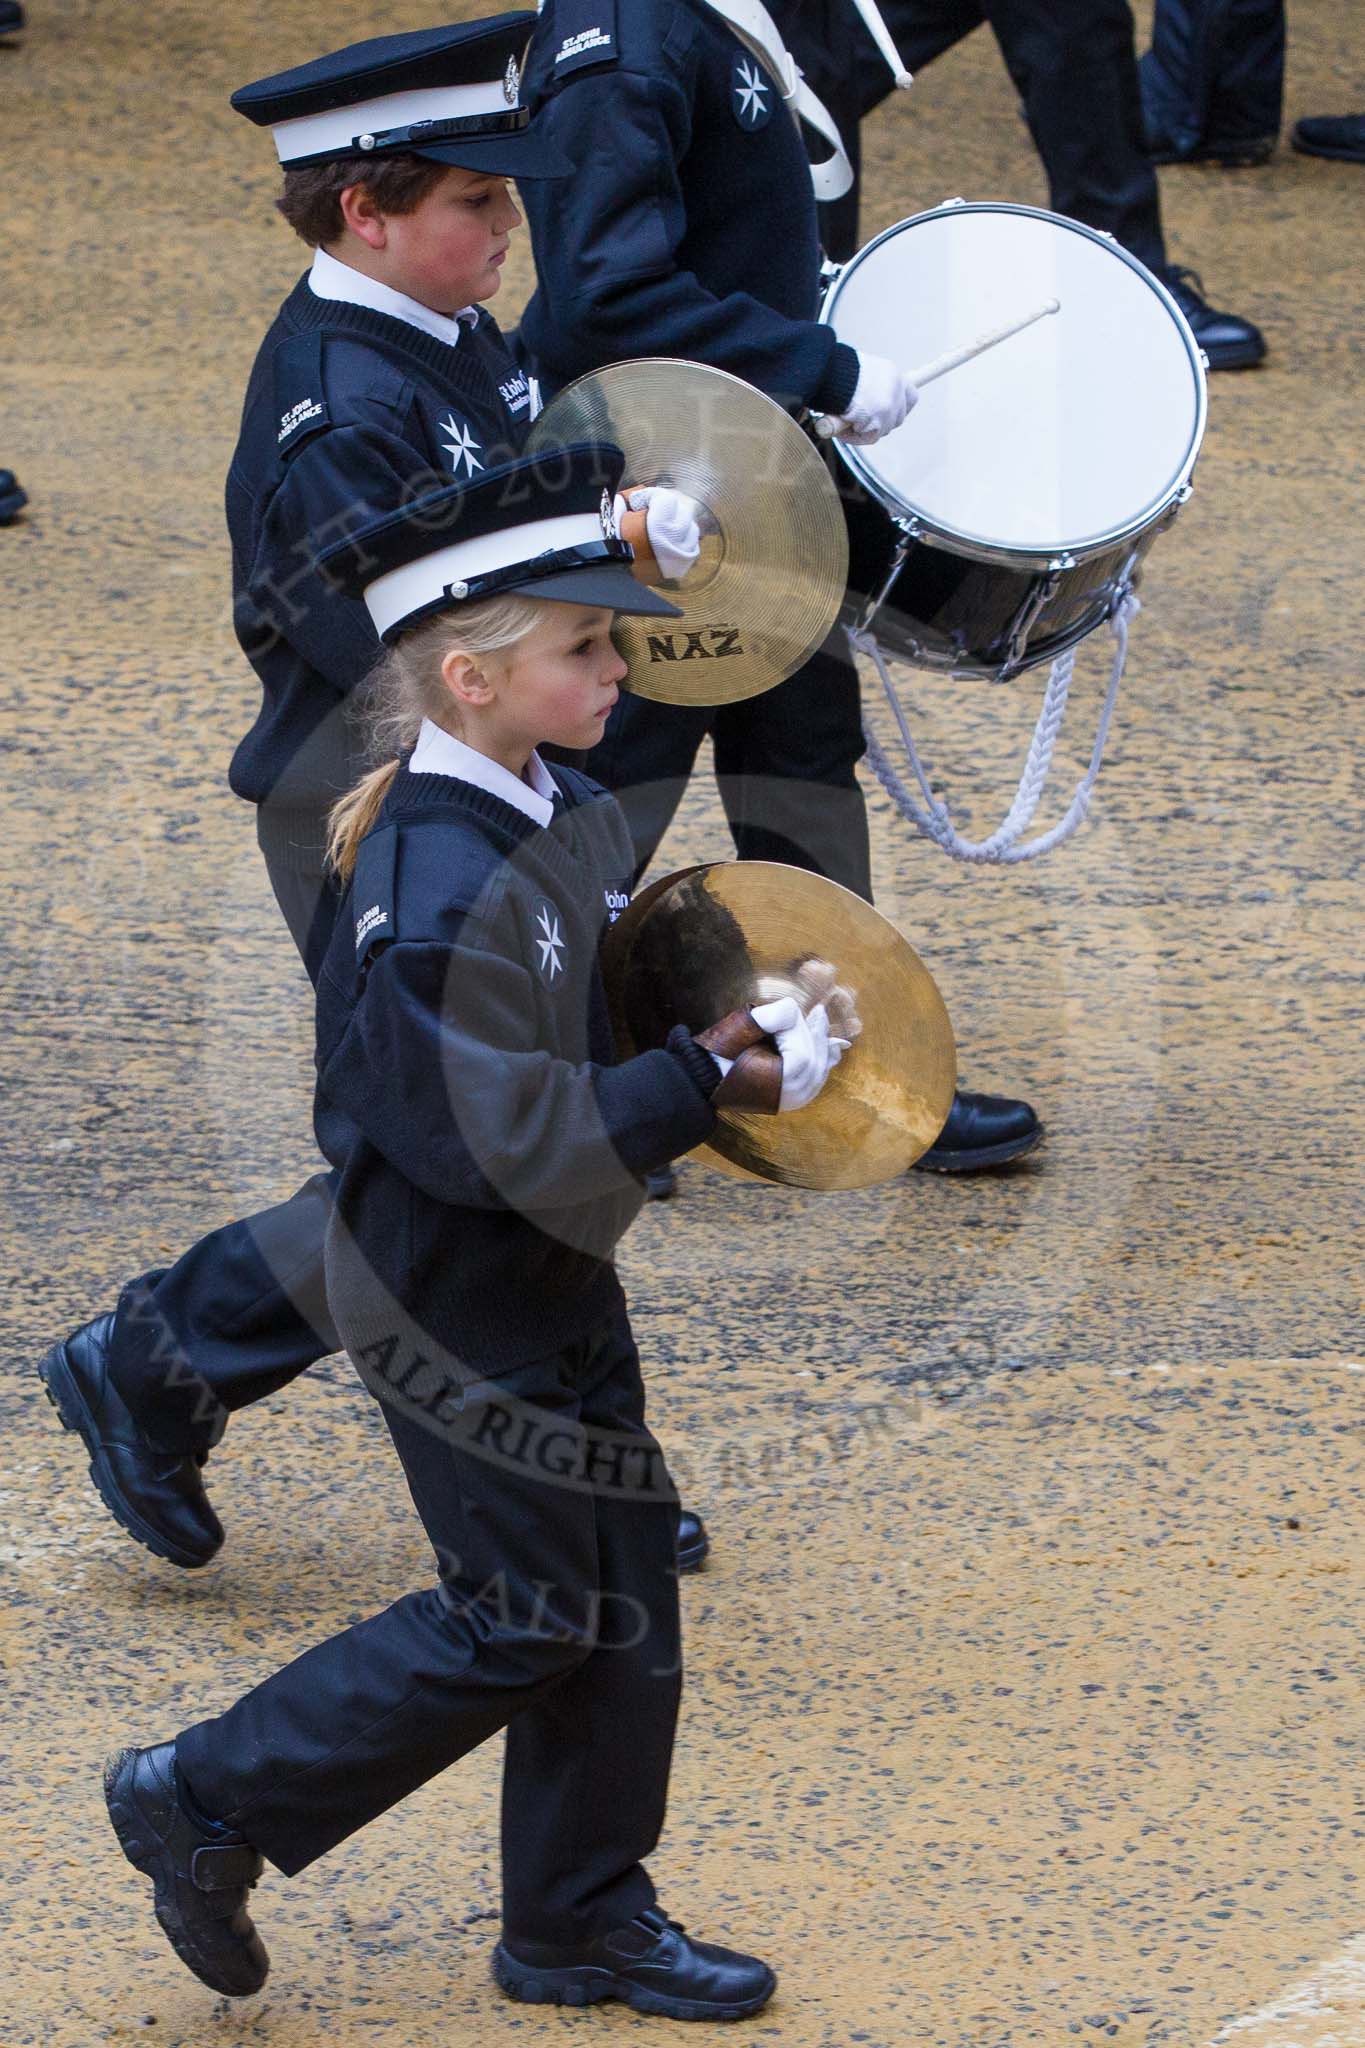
[[402, 592], [341, 128]]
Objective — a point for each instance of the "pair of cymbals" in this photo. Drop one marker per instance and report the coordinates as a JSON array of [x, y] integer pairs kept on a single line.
[[767, 586], [710, 939]]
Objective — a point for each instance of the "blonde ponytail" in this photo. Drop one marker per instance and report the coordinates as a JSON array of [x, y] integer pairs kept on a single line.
[[351, 819], [404, 687]]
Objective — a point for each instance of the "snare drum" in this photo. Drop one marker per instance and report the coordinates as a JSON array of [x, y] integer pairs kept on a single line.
[[1007, 517]]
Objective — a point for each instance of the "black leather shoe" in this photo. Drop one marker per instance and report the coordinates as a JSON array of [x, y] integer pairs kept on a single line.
[[11, 17], [1229, 343], [693, 1541], [13, 496], [1233, 153], [651, 1963], [201, 1876], [1338, 135], [158, 1496], [982, 1130]]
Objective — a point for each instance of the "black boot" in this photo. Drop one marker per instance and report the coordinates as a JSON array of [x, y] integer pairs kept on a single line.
[[1229, 342], [11, 21], [693, 1541], [1336, 135], [1230, 152], [13, 496], [982, 1130], [158, 1496], [201, 1874], [651, 1964]]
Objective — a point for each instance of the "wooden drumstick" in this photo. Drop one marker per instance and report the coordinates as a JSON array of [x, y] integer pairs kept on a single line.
[[953, 358], [881, 36]]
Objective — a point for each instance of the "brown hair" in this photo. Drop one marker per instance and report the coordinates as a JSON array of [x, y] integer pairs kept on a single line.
[[404, 687], [310, 198]]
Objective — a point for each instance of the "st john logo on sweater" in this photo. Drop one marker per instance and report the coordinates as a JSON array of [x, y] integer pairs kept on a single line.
[[462, 448], [751, 94], [549, 941]]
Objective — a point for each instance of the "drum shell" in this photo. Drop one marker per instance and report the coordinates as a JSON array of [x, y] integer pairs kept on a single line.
[[977, 595], [945, 610]]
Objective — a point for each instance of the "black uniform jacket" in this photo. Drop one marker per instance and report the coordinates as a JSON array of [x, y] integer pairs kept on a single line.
[[689, 226], [489, 1145], [348, 413]]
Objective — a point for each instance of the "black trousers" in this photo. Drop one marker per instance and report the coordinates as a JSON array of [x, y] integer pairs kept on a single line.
[[244, 1310], [555, 1615], [785, 766], [1074, 66], [1215, 71]]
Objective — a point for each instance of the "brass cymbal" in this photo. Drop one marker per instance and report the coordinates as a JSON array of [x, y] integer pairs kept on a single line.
[[770, 578], [721, 937]]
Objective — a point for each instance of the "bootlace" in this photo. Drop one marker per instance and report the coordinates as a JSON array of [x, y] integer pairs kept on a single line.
[[654, 1917]]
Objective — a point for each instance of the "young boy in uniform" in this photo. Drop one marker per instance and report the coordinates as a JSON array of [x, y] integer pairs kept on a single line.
[[489, 1150], [380, 377]]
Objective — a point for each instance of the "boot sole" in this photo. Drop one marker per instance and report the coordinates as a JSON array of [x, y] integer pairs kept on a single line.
[[979, 1156], [1234, 358], [588, 1985], [144, 1857], [1247, 156], [1337, 156], [59, 1384]]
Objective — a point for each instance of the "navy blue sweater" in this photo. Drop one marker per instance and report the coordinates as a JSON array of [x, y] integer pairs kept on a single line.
[[348, 413], [689, 225], [489, 1146]]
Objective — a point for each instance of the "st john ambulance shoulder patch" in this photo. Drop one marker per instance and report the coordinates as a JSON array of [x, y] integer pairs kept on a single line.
[[752, 93], [584, 34]]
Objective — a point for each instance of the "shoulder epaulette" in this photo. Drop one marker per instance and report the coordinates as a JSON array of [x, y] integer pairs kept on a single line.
[[584, 34], [373, 893], [301, 406]]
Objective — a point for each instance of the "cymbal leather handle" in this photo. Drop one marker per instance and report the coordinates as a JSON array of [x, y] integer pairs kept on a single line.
[[635, 529], [754, 1082], [732, 1035]]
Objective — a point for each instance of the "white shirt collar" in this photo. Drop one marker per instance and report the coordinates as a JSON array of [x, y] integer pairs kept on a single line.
[[438, 752], [331, 279]]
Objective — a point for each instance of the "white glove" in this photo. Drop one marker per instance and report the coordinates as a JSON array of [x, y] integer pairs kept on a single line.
[[809, 1055], [674, 535], [882, 398]]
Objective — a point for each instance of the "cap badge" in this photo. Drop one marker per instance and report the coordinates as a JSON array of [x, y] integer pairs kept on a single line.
[[511, 82], [611, 526]]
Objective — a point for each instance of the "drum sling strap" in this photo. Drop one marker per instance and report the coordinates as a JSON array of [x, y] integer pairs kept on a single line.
[[933, 817], [756, 29]]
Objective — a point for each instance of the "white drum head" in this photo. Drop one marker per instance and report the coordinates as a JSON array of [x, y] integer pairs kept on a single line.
[[1073, 434]]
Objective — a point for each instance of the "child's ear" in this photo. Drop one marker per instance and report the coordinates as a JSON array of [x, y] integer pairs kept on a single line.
[[464, 679], [362, 216]]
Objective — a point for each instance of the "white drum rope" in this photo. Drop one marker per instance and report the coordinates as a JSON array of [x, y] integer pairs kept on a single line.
[[933, 817]]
